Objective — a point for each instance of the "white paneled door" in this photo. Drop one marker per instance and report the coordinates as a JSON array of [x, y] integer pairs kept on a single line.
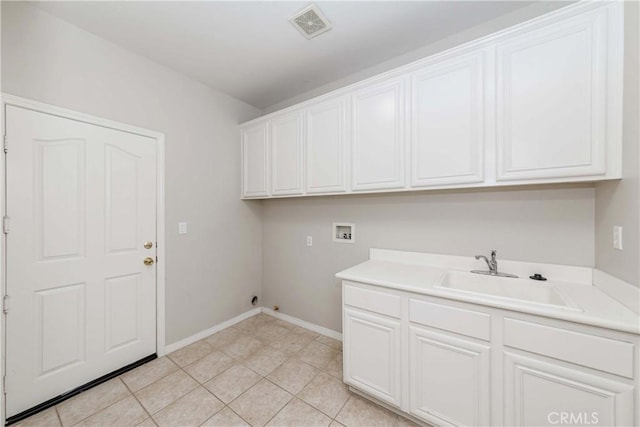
[[81, 252], [378, 136], [286, 155], [448, 118], [255, 160], [372, 356], [552, 101], [326, 145]]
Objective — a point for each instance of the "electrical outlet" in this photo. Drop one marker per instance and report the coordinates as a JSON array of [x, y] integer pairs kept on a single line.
[[617, 237], [309, 241], [182, 228]]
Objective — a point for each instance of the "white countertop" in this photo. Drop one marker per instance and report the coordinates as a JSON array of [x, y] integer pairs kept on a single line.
[[421, 273]]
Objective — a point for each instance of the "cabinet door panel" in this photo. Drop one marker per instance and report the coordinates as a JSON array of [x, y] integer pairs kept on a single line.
[[539, 393], [326, 147], [448, 122], [552, 111], [449, 381], [372, 355], [286, 155], [255, 161], [379, 136]]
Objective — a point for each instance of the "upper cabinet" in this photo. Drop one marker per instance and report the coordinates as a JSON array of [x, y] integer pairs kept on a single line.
[[552, 96], [327, 146], [448, 121], [286, 154], [540, 102], [378, 121], [255, 157]]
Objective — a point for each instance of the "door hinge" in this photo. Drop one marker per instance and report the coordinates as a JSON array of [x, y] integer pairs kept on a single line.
[[5, 224], [5, 304], [5, 144]]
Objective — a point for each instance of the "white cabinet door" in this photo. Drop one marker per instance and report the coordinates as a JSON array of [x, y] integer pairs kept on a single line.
[[552, 100], [327, 147], [447, 122], [372, 355], [286, 154], [379, 115], [539, 393], [449, 379], [255, 161]]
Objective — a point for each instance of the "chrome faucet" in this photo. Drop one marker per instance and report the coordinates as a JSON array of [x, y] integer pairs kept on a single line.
[[493, 266]]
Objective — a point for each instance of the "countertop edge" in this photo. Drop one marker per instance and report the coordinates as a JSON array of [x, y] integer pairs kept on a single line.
[[490, 302]]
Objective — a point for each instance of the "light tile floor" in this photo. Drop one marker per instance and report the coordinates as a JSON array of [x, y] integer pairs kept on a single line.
[[262, 371]]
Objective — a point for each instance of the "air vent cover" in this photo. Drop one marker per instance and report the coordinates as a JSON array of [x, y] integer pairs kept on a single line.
[[310, 22]]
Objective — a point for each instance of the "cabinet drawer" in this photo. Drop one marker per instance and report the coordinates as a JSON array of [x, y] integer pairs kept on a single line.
[[377, 302], [594, 352], [458, 320]]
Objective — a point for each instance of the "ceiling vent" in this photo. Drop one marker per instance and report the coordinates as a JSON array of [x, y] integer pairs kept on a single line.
[[310, 22]]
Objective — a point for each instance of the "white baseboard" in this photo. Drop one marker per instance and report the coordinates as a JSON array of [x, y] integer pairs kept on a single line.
[[217, 328], [625, 293], [308, 325], [224, 325]]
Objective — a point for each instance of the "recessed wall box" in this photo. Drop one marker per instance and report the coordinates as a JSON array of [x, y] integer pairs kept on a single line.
[[344, 232]]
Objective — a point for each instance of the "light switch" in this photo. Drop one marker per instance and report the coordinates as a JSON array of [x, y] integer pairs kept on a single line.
[[617, 237], [309, 241], [182, 228]]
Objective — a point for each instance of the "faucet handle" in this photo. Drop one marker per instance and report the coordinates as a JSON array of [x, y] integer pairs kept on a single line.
[[493, 254]]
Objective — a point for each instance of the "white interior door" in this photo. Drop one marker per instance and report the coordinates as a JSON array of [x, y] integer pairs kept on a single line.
[[82, 203]]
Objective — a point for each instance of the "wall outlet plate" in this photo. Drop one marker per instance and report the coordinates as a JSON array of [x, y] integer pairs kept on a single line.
[[182, 228], [344, 232], [617, 237]]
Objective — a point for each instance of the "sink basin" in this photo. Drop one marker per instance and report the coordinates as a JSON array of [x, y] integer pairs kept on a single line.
[[521, 290]]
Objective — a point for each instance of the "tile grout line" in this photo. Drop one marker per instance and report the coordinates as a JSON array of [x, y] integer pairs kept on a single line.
[[263, 377], [265, 344], [342, 407], [58, 415], [247, 390], [224, 405], [99, 410], [138, 400]]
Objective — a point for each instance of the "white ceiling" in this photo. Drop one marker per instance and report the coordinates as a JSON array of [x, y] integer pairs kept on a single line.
[[250, 51]]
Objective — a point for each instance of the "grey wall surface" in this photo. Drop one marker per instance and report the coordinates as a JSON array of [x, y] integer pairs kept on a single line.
[[212, 271], [618, 202], [549, 225]]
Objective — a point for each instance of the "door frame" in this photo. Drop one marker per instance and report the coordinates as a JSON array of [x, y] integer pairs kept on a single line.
[[7, 99]]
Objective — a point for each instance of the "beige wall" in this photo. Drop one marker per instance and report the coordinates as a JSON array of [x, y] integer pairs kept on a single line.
[[550, 225], [213, 270], [618, 202]]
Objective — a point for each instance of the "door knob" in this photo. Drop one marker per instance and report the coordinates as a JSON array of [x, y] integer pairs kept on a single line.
[[148, 261], [148, 245]]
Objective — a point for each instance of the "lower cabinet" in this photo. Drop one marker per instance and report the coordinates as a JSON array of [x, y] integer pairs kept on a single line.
[[540, 393], [449, 379], [452, 363], [372, 355]]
